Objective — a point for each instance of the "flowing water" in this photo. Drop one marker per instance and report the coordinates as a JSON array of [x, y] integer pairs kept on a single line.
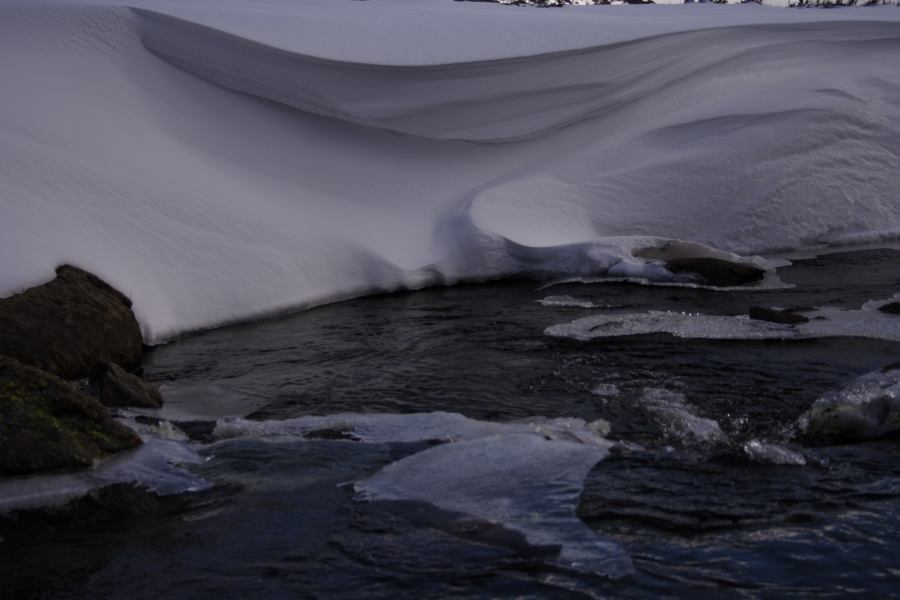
[[702, 489]]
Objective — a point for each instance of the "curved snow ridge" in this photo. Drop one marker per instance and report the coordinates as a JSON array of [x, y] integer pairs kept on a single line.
[[504, 99], [207, 206]]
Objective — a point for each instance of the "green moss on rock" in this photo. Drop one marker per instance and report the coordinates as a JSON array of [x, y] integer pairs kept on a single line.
[[46, 424]]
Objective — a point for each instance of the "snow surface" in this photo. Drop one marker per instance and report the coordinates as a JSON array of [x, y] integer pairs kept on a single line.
[[220, 160]]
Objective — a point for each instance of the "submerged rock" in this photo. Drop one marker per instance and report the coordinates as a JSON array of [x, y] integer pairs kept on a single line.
[[46, 424], [109, 503], [121, 388], [772, 315], [70, 326], [717, 272], [866, 408]]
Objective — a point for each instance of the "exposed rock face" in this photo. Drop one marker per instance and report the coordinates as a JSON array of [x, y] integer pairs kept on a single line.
[[717, 272], [70, 326], [121, 388], [771, 315], [46, 424]]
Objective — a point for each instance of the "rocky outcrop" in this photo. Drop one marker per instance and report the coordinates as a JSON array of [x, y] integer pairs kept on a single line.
[[70, 326], [785, 317], [120, 388], [713, 271], [46, 424]]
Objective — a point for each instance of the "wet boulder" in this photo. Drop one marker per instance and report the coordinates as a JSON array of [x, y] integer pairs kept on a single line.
[[121, 388], [891, 308], [70, 326], [46, 424], [717, 272], [866, 408], [785, 317]]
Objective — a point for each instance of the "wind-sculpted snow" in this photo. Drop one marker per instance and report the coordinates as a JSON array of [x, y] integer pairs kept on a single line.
[[505, 99], [218, 163]]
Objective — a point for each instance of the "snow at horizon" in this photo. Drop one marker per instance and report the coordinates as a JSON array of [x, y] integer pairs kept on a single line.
[[384, 144]]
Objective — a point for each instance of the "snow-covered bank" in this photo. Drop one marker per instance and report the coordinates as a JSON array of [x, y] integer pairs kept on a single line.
[[742, 128]]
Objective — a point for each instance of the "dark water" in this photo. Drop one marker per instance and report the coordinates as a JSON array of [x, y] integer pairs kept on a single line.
[[697, 519]]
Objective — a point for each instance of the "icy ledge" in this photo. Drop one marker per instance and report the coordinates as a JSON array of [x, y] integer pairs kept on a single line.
[[159, 465], [525, 476], [824, 322]]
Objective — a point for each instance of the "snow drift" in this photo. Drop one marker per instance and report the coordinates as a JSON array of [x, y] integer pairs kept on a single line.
[[218, 161]]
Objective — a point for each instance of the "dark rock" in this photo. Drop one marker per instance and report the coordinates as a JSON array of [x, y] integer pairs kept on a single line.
[[107, 505], [197, 431], [772, 315], [46, 424], [331, 434], [717, 272], [70, 326], [121, 388], [891, 308]]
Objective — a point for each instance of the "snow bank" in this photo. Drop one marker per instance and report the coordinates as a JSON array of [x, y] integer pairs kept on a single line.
[[223, 160]]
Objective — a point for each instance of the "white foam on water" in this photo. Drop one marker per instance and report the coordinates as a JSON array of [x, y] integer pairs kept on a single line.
[[605, 390], [867, 407], [567, 301], [677, 418], [770, 453]]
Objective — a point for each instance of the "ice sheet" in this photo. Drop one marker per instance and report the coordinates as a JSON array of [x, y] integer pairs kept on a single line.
[[825, 322], [520, 481], [159, 465]]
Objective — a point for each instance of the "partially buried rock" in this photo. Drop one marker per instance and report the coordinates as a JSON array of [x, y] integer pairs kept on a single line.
[[121, 388], [891, 308], [70, 326], [772, 315], [717, 272], [46, 424]]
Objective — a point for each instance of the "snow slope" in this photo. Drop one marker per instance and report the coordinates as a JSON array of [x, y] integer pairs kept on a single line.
[[223, 160]]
